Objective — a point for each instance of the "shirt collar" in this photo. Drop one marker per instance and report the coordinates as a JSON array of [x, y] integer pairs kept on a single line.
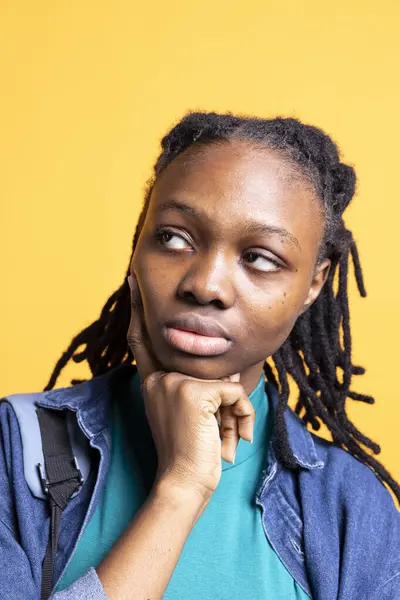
[[92, 401]]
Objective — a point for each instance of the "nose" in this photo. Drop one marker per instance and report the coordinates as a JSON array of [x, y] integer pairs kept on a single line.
[[208, 280]]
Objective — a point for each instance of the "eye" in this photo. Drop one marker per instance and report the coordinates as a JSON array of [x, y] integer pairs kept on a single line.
[[162, 234], [267, 262], [165, 236]]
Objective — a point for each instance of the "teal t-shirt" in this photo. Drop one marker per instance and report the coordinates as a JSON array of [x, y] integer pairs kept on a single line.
[[227, 554]]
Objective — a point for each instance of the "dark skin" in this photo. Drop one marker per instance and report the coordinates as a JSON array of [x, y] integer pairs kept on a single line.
[[255, 284]]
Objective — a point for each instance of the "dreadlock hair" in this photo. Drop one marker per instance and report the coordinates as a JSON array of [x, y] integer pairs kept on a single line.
[[317, 353]]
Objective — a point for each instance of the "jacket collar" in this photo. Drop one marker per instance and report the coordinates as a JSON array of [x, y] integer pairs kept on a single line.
[[92, 401], [300, 439]]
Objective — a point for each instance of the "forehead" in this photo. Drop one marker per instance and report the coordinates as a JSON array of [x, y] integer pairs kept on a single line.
[[232, 182]]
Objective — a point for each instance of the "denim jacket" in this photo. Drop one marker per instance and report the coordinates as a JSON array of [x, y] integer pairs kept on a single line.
[[331, 521]]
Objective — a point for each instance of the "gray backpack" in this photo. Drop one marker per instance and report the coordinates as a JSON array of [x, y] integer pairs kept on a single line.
[[56, 464]]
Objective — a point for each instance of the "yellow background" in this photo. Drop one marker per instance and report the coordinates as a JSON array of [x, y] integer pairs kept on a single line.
[[87, 90]]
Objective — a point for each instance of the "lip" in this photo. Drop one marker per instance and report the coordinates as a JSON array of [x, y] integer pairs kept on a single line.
[[199, 325], [195, 343]]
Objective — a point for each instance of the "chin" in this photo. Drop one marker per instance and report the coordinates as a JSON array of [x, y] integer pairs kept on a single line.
[[201, 367]]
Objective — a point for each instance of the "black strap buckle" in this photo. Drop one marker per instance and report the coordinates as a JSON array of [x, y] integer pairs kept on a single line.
[[45, 482]]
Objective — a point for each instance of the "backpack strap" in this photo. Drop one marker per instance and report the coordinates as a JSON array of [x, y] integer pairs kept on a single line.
[[63, 479], [24, 406], [51, 441]]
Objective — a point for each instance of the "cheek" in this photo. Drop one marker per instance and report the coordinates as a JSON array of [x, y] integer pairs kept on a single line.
[[272, 321], [155, 287], [153, 278]]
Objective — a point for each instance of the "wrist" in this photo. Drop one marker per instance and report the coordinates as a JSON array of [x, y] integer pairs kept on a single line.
[[181, 496]]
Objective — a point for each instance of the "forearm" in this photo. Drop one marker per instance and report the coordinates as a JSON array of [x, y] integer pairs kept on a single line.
[[141, 563]]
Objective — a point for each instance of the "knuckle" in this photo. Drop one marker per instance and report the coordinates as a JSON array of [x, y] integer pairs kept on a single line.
[[229, 433], [174, 377], [244, 408], [229, 423], [186, 387], [239, 388], [159, 378], [164, 380], [148, 383]]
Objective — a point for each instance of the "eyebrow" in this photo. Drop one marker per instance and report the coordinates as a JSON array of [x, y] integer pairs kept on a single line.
[[250, 227]]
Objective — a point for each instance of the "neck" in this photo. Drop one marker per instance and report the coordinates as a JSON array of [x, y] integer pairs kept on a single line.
[[250, 377]]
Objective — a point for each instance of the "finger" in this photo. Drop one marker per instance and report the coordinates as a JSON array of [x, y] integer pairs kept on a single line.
[[230, 378], [230, 434], [137, 334], [246, 417], [234, 395]]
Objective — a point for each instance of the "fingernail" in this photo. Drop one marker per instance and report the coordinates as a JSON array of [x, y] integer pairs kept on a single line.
[[130, 281], [234, 456]]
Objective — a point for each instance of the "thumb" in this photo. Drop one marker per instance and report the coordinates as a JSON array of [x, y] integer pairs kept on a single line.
[[232, 378]]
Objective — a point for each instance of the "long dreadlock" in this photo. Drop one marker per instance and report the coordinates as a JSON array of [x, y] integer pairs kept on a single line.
[[317, 353]]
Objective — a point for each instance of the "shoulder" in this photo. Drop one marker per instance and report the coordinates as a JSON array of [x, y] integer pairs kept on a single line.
[[347, 472], [90, 398], [338, 488], [333, 472], [20, 442], [18, 420], [12, 480], [20, 438], [355, 498], [345, 503]]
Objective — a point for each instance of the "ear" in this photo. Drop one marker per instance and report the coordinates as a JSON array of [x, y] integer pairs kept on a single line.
[[320, 276]]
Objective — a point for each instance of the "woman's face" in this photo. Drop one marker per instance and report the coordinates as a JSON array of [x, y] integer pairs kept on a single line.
[[239, 240]]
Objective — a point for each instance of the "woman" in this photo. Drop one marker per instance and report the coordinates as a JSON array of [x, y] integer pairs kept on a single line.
[[234, 260]]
